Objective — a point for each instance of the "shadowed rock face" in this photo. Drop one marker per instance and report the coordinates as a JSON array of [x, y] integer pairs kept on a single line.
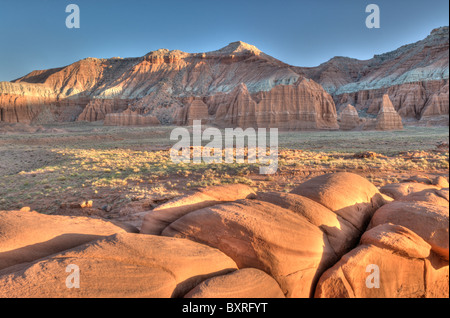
[[229, 241], [427, 220], [292, 237], [303, 105], [196, 110], [388, 118], [122, 265], [263, 236], [156, 220], [407, 241], [406, 266], [349, 118], [130, 119], [333, 192], [97, 109], [28, 236], [244, 283], [401, 190]]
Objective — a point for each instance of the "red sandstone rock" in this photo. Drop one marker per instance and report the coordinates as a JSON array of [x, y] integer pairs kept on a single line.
[[405, 265], [425, 100], [399, 190], [441, 182], [388, 118], [432, 196], [130, 119], [156, 220], [122, 265], [97, 109], [160, 82], [397, 238], [295, 244], [27, 236], [289, 236], [400, 277], [243, 283], [196, 110], [415, 76], [429, 221], [350, 196], [264, 236], [304, 105], [341, 234], [349, 118]]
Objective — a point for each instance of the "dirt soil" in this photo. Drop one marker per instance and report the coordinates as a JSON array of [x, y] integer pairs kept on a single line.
[[119, 172]]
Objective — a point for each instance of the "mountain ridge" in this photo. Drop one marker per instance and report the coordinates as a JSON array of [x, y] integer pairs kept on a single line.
[[162, 81]]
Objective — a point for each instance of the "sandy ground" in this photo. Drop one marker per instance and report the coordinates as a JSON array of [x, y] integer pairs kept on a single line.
[[127, 170]]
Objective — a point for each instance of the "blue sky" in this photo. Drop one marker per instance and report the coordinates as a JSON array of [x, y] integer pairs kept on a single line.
[[33, 34]]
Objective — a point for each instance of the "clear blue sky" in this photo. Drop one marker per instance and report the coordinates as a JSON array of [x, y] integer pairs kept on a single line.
[[33, 34]]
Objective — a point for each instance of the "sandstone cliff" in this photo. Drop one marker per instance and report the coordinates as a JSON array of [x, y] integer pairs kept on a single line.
[[388, 118], [239, 84], [349, 118], [303, 105], [130, 119], [196, 110], [415, 76], [165, 83]]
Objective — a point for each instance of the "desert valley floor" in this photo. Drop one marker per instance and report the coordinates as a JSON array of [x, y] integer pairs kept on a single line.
[[53, 169]]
